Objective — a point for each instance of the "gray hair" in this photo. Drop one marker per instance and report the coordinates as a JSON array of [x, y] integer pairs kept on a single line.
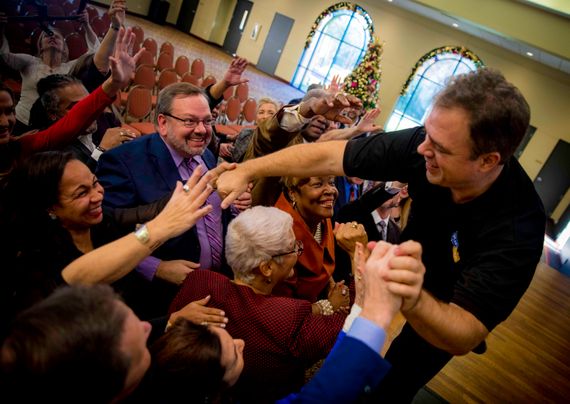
[[172, 91], [254, 236]]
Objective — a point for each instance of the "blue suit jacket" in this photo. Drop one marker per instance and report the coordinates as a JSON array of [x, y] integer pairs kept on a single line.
[[351, 370], [140, 172]]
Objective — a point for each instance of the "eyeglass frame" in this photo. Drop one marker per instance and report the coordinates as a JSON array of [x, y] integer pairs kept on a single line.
[[297, 249], [195, 121]]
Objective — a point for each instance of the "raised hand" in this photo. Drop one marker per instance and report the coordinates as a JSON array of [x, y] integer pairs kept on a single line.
[[348, 234], [330, 107], [185, 206], [117, 11], [122, 64], [232, 77], [367, 123]]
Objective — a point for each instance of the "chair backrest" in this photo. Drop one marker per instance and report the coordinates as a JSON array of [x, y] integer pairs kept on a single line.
[[150, 45], [139, 35], [99, 26], [146, 59], [249, 110], [145, 76], [106, 19], [211, 80], [198, 68], [139, 103], [182, 65], [76, 45], [167, 76], [242, 91], [92, 12], [164, 61], [167, 47], [189, 78], [233, 109]]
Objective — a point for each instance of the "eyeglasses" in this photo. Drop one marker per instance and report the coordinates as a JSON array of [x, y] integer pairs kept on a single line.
[[191, 123], [297, 249]]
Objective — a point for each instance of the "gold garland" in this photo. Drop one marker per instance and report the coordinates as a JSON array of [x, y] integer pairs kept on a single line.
[[344, 5], [457, 50]]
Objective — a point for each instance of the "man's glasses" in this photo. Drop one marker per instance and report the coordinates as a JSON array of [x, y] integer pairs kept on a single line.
[[297, 249], [191, 123]]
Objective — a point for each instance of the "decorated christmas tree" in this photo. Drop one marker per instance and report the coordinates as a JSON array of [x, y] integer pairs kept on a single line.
[[364, 81]]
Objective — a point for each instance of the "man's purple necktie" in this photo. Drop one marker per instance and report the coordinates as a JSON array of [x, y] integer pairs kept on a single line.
[[212, 221]]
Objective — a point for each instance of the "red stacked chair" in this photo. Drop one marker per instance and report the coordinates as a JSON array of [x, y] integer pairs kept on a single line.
[[197, 69], [182, 65], [165, 61], [189, 78], [167, 47], [167, 77], [76, 45], [99, 26], [150, 45], [249, 112], [242, 92]]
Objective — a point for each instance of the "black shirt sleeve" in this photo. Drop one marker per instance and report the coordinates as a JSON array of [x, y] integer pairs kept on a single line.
[[385, 157]]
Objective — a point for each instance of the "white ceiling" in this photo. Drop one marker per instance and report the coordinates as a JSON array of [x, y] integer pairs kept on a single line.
[[487, 34]]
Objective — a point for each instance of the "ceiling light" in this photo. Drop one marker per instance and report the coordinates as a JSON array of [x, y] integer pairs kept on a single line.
[[455, 25], [530, 54]]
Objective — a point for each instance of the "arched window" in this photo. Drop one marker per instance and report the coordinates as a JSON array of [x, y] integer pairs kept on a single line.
[[337, 41], [428, 77]]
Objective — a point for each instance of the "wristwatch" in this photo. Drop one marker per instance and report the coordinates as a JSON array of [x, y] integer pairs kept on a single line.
[[142, 235]]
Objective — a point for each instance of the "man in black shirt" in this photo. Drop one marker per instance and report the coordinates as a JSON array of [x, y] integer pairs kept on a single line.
[[474, 211]]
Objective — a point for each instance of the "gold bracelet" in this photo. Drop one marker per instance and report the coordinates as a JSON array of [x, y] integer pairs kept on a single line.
[[326, 307]]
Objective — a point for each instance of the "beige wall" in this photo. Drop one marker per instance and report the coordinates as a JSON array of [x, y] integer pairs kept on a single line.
[[134, 6]]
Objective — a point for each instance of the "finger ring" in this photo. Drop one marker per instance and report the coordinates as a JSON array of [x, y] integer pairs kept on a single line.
[[343, 291], [186, 188], [204, 323], [354, 225]]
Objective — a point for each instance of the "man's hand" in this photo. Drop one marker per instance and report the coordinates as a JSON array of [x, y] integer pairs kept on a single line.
[[198, 313], [175, 271], [232, 77], [231, 184], [406, 273], [380, 304], [330, 107], [244, 201]]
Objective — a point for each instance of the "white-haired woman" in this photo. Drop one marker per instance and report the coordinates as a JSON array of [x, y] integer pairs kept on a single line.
[[282, 335]]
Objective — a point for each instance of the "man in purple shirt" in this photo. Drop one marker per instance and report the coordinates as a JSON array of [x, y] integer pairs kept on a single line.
[[141, 172]]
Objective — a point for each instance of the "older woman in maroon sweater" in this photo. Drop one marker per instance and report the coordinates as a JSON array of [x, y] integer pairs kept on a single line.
[[282, 335]]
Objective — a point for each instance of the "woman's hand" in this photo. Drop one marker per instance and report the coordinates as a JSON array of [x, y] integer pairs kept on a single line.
[[117, 11], [185, 206], [198, 313], [348, 234], [339, 296]]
